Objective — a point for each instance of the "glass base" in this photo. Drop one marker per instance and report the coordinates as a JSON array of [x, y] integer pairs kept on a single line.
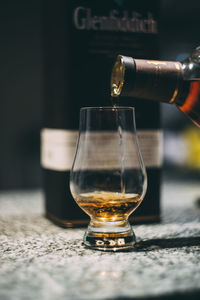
[[109, 236]]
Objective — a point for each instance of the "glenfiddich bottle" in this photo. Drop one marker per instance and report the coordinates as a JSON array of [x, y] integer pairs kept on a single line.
[[165, 81], [81, 41]]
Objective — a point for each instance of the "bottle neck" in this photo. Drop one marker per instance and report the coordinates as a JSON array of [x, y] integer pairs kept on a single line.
[[147, 79]]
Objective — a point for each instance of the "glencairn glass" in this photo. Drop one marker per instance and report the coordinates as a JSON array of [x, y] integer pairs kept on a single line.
[[108, 177]]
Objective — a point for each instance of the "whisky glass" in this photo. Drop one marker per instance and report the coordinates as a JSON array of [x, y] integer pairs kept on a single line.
[[108, 178]]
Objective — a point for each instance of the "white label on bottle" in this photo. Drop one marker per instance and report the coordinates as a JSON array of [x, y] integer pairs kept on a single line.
[[151, 146], [58, 148]]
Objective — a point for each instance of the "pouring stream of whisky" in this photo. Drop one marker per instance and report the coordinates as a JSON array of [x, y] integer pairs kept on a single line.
[[121, 147], [121, 155]]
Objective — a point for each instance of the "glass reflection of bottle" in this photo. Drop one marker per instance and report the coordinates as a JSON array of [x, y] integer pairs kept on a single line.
[[164, 81]]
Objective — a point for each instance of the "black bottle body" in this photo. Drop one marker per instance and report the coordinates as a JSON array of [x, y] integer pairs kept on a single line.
[[79, 51]]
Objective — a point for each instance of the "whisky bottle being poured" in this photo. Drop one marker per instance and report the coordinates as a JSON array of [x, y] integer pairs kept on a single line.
[[164, 81]]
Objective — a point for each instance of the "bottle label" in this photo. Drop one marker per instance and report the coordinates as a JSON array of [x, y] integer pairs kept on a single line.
[[58, 149], [115, 20]]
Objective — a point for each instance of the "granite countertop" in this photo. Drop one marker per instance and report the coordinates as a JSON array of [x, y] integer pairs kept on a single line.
[[39, 260]]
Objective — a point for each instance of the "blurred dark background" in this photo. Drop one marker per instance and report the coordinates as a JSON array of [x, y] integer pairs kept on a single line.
[[21, 73], [21, 93]]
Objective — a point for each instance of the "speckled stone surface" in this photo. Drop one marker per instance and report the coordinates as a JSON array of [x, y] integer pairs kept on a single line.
[[39, 260]]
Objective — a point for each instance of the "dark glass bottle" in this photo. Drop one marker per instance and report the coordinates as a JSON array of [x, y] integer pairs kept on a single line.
[[81, 39], [164, 81]]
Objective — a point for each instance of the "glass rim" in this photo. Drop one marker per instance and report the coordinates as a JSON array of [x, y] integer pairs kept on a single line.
[[109, 108]]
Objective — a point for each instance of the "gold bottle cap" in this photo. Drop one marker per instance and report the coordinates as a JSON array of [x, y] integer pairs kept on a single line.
[[118, 74], [117, 77]]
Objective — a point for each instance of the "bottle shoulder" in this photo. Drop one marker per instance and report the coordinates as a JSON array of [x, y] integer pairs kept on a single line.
[[191, 66]]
